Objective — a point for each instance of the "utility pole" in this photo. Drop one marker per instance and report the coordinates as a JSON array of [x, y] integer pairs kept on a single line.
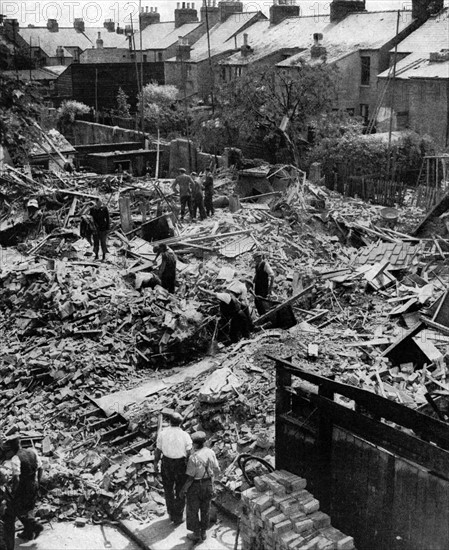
[[186, 113], [211, 72], [390, 130], [141, 71]]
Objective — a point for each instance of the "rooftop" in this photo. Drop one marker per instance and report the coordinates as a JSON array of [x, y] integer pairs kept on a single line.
[[35, 74], [160, 36], [223, 35], [48, 41], [266, 39], [358, 31], [418, 65], [432, 36]]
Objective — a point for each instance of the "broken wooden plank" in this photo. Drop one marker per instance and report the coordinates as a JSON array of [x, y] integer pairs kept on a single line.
[[288, 302]]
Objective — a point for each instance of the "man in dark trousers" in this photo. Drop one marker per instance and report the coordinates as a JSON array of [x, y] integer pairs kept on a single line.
[[208, 192], [6, 524], [263, 282], [173, 444], [26, 470], [183, 183], [202, 467], [232, 313], [100, 216], [167, 269], [197, 197]]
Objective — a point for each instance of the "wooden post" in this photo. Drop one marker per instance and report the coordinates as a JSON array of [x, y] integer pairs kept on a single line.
[[283, 405], [325, 434], [125, 214]]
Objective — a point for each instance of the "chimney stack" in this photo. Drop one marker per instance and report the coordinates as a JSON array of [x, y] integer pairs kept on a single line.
[[109, 25], [227, 8], [60, 55], [212, 10], [245, 48], [423, 9], [52, 25], [100, 42], [341, 8], [281, 9], [183, 49], [78, 24], [317, 50], [11, 28], [149, 17], [185, 14]]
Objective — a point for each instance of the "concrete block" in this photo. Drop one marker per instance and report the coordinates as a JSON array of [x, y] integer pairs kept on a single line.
[[346, 543], [274, 520], [282, 527], [269, 513], [311, 506], [303, 526], [326, 544], [320, 520], [275, 487], [311, 544], [260, 484], [250, 494], [278, 499], [262, 503], [289, 506]]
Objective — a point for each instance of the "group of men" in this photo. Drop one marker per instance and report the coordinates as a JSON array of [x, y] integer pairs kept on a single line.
[[20, 476], [188, 469], [194, 193]]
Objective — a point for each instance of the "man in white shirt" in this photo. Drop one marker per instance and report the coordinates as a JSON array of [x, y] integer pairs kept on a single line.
[[173, 445]]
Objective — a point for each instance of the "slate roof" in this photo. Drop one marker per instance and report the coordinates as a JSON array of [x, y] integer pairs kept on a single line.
[[399, 255], [36, 74], [266, 39], [110, 39], [160, 36], [358, 31], [222, 36], [432, 36], [49, 41], [418, 65]]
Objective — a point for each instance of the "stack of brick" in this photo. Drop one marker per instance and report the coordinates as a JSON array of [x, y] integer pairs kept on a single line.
[[279, 514]]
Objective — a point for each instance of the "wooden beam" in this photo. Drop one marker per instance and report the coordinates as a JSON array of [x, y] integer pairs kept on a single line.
[[288, 302], [433, 429]]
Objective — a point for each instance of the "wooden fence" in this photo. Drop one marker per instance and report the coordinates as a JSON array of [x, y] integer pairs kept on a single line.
[[376, 190], [387, 485]]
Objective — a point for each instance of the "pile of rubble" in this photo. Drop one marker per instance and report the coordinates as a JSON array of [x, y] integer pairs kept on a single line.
[[82, 340]]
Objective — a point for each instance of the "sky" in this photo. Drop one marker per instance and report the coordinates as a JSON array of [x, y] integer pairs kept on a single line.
[[94, 12]]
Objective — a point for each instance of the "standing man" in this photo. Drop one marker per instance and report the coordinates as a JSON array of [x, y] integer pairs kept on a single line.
[[167, 269], [199, 487], [7, 517], [100, 216], [263, 281], [184, 183], [208, 192], [197, 197], [173, 445], [26, 471]]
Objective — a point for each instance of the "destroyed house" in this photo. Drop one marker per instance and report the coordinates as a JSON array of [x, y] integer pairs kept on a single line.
[[417, 97], [358, 45], [190, 69]]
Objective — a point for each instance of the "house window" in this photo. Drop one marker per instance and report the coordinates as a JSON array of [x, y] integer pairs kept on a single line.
[[350, 111], [364, 112], [159, 56], [238, 71], [223, 74], [366, 70]]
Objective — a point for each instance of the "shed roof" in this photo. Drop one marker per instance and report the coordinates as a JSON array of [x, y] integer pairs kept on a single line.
[[358, 31], [418, 65], [35, 74], [266, 39]]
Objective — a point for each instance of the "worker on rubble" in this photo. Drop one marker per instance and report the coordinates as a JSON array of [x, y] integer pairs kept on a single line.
[[173, 445], [183, 184], [100, 216], [33, 211], [197, 197], [167, 269], [26, 472], [202, 467], [208, 184], [263, 281], [232, 314], [240, 291], [7, 528]]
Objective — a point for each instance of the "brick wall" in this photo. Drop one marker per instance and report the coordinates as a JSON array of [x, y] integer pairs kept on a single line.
[[280, 514]]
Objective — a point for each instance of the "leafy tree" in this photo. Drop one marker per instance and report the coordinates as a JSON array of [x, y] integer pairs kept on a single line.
[[20, 106], [160, 108], [123, 107], [274, 105], [68, 111]]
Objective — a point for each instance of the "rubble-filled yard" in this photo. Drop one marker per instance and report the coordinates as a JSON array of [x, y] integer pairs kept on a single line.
[[90, 358]]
